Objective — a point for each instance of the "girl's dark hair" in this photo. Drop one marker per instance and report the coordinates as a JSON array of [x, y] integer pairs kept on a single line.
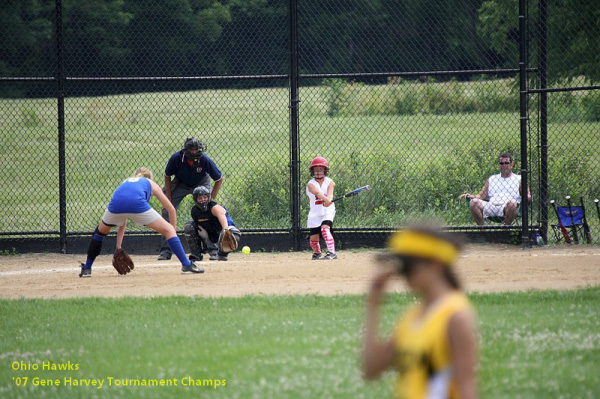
[[451, 278], [405, 265]]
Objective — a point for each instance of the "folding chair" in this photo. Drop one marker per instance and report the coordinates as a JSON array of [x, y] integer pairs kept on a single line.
[[570, 222]]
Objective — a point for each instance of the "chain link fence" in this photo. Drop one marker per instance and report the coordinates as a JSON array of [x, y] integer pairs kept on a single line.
[[565, 100], [416, 99]]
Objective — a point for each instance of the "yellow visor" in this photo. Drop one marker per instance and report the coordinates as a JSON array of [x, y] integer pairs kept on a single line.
[[420, 245]]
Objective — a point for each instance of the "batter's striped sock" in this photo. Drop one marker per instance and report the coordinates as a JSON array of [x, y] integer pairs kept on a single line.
[[176, 247], [316, 246], [326, 233]]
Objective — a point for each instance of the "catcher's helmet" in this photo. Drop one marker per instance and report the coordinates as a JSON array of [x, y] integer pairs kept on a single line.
[[198, 191], [319, 161], [191, 144]]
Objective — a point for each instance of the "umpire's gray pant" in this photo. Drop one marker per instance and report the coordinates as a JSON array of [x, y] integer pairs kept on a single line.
[[178, 193]]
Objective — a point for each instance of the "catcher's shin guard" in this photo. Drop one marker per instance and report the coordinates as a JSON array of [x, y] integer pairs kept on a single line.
[[192, 238], [95, 244]]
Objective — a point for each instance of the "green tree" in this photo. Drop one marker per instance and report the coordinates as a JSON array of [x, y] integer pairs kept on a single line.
[[171, 37], [390, 35], [573, 35], [256, 40], [94, 34], [26, 38]]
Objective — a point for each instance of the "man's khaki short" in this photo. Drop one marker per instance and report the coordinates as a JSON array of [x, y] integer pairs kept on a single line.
[[493, 209]]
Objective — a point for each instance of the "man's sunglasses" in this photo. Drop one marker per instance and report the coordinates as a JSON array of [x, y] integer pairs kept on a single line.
[[504, 163]]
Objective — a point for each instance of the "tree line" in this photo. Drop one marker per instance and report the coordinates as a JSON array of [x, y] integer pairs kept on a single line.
[[243, 37]]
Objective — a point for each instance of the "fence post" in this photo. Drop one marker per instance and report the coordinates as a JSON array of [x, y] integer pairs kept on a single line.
[[523, 119], [294, 131], [60, 96], [543, 5]]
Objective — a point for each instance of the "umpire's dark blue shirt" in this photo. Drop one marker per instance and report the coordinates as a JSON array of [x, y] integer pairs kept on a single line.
[[191, 175]]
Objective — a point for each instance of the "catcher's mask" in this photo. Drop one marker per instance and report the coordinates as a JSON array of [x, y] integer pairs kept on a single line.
[[415, 245], [193, 149], [199, 192], [319, 161]]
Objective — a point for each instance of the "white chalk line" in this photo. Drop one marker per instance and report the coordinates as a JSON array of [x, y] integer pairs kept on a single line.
[[532, 254], [110, 267]]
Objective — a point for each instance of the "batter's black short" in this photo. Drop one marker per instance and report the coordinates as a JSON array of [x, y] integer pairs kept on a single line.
[[317, 230]]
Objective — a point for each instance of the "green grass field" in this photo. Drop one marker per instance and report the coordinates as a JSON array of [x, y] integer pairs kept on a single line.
[[541, 344], [419, 145]]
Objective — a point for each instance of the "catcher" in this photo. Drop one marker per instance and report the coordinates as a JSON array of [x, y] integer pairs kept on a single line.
[[210, 224], [130, 201]]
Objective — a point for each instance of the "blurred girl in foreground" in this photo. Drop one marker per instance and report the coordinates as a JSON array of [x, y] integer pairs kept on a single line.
[[433, 348]]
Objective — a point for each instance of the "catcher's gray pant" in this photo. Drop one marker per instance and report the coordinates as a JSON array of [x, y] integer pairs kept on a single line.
[[193, 237], [178, 193]]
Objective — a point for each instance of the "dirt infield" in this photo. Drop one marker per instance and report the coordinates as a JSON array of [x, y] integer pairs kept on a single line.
[[483, 268]]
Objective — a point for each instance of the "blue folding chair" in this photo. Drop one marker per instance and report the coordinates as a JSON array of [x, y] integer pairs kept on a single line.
[[571, 219]]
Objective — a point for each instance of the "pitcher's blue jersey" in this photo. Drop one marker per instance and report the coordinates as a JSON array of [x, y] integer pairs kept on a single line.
[[131, 196]]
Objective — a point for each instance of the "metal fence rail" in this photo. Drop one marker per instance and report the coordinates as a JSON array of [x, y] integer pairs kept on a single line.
[[416, 101]]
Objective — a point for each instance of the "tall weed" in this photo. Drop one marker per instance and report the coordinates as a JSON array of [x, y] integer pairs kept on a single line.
[[401, 97]]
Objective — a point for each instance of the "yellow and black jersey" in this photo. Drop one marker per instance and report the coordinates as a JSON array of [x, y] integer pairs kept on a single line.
[[423, 358]]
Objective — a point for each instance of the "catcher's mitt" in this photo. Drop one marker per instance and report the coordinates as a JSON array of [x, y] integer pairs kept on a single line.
[[229, 240], [122, 262]]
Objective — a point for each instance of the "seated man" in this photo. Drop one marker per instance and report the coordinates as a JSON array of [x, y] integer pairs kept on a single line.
[[208, 220], [504, 192]]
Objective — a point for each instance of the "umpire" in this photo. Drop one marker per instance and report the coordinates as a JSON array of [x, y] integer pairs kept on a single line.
[[191, 168]]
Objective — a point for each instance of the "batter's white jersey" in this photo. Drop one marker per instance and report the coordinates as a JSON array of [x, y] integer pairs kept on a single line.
[[318, 212]]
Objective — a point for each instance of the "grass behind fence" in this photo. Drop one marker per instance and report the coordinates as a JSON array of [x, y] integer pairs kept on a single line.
[[418, 158], [286, 346]]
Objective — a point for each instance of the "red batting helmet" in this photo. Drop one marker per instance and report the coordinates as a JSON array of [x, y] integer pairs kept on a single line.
[[319, 161]]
